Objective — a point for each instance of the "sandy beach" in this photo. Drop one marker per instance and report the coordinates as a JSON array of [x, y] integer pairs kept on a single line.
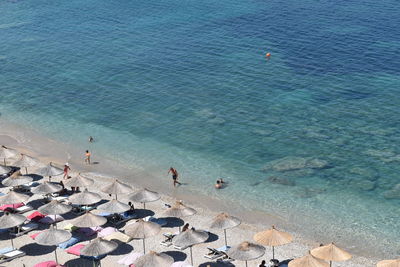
[[104, 170]]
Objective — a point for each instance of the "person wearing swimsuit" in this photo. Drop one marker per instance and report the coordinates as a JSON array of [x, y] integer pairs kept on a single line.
[[87, 155], [174, 173]]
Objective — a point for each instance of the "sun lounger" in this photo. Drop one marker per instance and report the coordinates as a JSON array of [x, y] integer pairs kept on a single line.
[[119, 237], [216, 253], [35, 216], [24, 228], [130, 258], [79, 210], [75, 250], [225, 257], [168, 239], [90, 231], [72, 241], [50, 219], [14, 254], [5, 250], [106, 231], [124, 217], [23, 209], [48, 264]]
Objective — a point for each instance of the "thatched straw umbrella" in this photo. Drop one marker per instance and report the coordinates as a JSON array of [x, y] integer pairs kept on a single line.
[[84, 198], [16, 179], [55, 208], [189, 238], [79, 181], [307, 261], [330, 253], [153, 259], [13, 197], [114, 206], [389, 263], [98, 247], [89, 220], [26, 162], [5, 169], [224, 221], [142, 230], [9, 220], [50, 170], [53, 237], [8, 153], [144, 196], [246, 251], [116, 187], [273, 238], [47, 188]]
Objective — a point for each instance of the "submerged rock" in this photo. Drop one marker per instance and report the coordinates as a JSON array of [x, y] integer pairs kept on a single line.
[[379, 153], [365, 185], [295, 163], [281, 180], [370, 174], [394, 193]]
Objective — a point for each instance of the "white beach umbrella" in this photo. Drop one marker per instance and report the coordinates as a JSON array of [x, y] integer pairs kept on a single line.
[[79, 181], [89, 220], [114, 206], [47, 188], [117, 187], [13, 197], [7, 153], [84, 198], [16, 179]]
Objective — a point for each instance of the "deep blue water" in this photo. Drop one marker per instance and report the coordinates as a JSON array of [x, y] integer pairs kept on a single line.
[[186, 83]]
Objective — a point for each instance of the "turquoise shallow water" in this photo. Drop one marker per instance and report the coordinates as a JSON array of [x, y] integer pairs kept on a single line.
[[312, 134]]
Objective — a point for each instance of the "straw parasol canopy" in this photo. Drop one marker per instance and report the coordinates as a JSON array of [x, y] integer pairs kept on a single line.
[[114, 206], [330, 253], [89, 220], [50, 170], [224, 221], [26, 161], [98, 247], [55, 208], [47, 188], [9, 220], [189, 238], [53, 237], [144, 196], [13, 197], [153, 259], [84, 198], [308, 261], [273, 238], [179, 210], [246, 251], [7, 153], [79, 181], [389, 263], [116, 187], [17, 179], [4, 169], [142, 230]]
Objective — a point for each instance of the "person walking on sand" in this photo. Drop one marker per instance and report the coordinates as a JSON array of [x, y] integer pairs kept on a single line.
[[87, 157], [66, 170], [174, 173]]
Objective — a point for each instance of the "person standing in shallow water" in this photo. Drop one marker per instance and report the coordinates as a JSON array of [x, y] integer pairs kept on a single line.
[[87, 157], [174, 173]]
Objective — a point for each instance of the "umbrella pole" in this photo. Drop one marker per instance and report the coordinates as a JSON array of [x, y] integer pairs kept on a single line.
[[246, 263], [49, 178], [191, 255], [273, 252], [226, 243], [144, 205], [5, 164], [55, 254], [330, 263], [12, 242], [116, 197], [144, 247]]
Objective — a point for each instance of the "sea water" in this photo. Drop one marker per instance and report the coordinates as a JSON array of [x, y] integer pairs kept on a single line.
[[310, 135]]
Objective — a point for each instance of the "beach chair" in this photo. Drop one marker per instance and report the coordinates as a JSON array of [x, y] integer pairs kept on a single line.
[[216, 253], [124, 217], [224, 258], [130, 258], [9, 256], [75, 250], [79, 210], [23, 209], [106, 231], [168, 239], [50, 219], [118, 236], [72, 241], [23, 229]]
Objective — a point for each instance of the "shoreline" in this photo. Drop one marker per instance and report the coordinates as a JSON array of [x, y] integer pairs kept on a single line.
[[47, 149]]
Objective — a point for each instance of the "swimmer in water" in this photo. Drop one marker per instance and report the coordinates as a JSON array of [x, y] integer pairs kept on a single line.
[[268, 56], [91, 139]]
